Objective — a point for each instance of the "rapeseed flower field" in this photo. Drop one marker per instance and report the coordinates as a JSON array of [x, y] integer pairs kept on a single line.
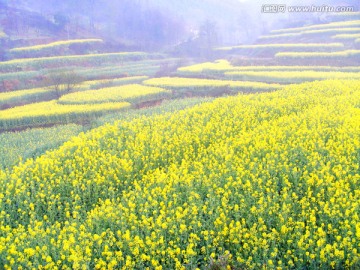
[[52, 45], [130, 93], [178, 83], [51, 112], [261, 181]]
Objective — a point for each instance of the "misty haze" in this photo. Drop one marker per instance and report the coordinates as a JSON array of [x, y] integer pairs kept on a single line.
[[168, 134]]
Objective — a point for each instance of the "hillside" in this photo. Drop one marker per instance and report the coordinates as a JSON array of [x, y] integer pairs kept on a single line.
[[121, 152], [146, 24], [239, 177], [143, 21]]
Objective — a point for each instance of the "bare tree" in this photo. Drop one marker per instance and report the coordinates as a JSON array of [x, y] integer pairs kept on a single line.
[[208, 37], [63, 82]]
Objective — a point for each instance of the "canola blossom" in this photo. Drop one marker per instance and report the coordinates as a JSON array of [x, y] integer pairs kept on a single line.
[[129, 93], [30, 95], [25, 96], [179, 84], [346, 36], [51, 112], [96, 84], [71, 60], [327, 31], [342, 55], [289, 76], [343, 24], [33, 142], [53, 45], [264, 180], [219, 67], [107, 69], [273, 48]]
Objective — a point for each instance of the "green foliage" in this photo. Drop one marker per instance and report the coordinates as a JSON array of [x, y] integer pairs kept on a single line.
[[311, 33], [269, 181], [51, 49], [50, 113], [63, 82], [290, 76], [167, 106], [133, 93], [219, 67], [105, 70], [344, 24], [72, 60], [342, 55], [207, 86], [16, 146], [20, 97], [274, 48]]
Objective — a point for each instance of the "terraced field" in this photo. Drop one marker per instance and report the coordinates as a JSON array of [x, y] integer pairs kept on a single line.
[[344, 24], [105, 70], [219, 67], [17, 147], [353, 54], [309, 33], [274, 48], [131, 93], [205, 85], [346, 36], [269, 179], [290, 76], [10, 99], [127, 172], [28, 96], [54, 48], [70, 60], [52, 112]]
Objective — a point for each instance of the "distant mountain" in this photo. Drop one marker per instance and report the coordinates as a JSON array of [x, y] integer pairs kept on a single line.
[[147, 24]]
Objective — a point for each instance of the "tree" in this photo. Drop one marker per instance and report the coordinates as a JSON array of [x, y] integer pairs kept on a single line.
[[63, 82], [61, 20], [208, 37]]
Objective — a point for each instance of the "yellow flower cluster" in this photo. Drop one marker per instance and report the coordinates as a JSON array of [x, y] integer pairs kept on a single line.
[[22, 95], [319, 55], [16, 146], [265, 180], [46, 93], [346, 36], [219, 67], [65, 61], [307, 33], [51, 112], [342, 24], [206, 84], [131, 93], [93, 84], [273, 47], [53, 45], [290, 76], [296, 68]]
